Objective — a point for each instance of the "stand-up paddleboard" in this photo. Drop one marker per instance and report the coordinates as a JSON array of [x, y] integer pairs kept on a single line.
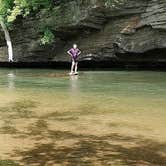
[[73, 74]]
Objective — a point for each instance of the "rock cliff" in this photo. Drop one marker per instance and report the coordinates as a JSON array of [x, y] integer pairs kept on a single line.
[[132, 32]]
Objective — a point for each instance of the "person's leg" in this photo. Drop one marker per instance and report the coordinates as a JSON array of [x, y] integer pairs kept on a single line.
[[76, 67], [72, 67]]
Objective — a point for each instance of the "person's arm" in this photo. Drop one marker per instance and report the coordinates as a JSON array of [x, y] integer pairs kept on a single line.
[[69, 52], [79, 52]]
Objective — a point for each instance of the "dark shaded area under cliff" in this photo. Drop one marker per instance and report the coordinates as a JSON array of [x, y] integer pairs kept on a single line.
[[127, 61], [90, 65]]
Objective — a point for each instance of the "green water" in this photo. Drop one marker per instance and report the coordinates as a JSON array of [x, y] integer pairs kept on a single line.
[[96, 106], [119, 90], [144, 86], [108, 82]]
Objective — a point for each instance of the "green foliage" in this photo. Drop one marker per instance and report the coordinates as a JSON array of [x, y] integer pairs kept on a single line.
[[48, 37], [25, 7], [5, 6], [10, 9]]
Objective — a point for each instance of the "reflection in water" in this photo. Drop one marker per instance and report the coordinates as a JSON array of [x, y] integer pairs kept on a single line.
[[11, 80], [74, 84]]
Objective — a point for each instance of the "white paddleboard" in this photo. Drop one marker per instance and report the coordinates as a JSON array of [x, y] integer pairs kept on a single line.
[[73, 74]]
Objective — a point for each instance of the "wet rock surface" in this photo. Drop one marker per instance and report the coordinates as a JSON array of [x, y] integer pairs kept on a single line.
[[134, 32]]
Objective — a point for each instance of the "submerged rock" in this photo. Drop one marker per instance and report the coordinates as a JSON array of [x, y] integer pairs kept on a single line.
[[134, 31]]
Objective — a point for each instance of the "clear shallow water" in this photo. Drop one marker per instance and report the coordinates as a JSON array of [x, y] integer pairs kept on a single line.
[[139, 92], [113, 82], [148, 87], [99, 103]]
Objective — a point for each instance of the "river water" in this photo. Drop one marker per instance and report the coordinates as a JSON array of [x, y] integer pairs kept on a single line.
[[95, 118]]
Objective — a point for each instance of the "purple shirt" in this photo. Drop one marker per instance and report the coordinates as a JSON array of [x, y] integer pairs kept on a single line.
[[74, 52]]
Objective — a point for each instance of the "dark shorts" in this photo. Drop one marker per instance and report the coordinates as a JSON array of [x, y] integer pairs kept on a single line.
[[74, 60]]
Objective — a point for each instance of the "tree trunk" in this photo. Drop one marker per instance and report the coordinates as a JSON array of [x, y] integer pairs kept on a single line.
[[8, 41]]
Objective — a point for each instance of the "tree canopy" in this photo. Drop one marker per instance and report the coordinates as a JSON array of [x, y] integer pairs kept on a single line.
[[25, 7], [5, 6], [10, 9]]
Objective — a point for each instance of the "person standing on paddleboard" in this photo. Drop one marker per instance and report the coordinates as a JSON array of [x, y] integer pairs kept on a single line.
[[74, 53]]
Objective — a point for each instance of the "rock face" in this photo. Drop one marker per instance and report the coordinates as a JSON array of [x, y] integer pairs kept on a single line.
[[132, 32]]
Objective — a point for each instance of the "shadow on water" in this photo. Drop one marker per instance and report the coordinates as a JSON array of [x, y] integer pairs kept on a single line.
[[8, 128], [77, 149], [111, 149], [15, 110], [18, 109]]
